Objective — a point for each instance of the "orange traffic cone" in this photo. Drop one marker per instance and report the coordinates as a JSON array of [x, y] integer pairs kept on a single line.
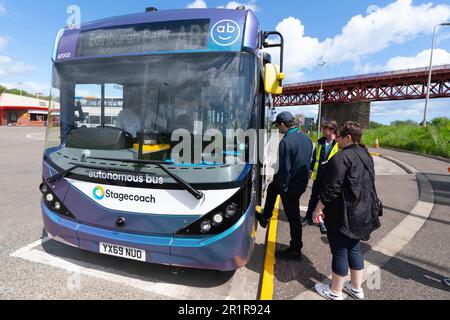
[[377, 144]]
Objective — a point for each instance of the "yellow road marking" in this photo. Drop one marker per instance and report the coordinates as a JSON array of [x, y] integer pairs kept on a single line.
[[269, 261], [375, 154]]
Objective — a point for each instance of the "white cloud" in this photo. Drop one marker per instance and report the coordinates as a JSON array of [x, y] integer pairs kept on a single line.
[[394, 109], [372, 8], [230, 5], [443, 36], [30, 86], [3, 43], [386, 112], [301, 52], [308, 111], [395, 23], [35, 87], [9, 67], [5, 59], [84, 93], [233, 5], [201, 4], [2, 8], [422, 59], [366, 68]]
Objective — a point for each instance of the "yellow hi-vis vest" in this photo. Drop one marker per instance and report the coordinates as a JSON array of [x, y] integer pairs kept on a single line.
[[316, 165]]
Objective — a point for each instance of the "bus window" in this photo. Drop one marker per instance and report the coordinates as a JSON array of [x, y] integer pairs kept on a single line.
[[94, 120], [114, 96], [86, 95], [90, 97], [108, 120]]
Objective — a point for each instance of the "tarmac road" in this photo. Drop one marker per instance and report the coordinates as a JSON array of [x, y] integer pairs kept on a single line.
[[50, 270], [417, 269], [56, 271]]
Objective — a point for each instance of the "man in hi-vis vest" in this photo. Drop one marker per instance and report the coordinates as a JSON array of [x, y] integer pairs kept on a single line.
[[326, 148]]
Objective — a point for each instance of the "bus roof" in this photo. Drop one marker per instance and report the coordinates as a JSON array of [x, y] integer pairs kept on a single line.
[[222, 29]]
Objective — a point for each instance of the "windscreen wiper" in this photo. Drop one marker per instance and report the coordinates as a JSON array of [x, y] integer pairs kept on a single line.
[[196, 193]]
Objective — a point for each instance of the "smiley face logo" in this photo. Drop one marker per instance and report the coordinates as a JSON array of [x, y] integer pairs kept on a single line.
[[226, 33]]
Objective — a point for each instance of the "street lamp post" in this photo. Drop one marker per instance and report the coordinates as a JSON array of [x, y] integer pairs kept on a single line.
[[427, 99], [321, 65]]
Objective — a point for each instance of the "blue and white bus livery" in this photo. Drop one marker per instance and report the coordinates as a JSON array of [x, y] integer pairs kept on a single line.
[[112, 187]]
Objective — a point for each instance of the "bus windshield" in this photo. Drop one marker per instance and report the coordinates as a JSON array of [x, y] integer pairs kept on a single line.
[[129, 107]]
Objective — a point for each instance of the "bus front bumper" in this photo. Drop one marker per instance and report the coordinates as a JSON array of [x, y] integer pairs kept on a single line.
[[225, 252]]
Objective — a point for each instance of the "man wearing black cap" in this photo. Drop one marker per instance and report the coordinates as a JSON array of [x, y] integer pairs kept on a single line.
[[291, 180]]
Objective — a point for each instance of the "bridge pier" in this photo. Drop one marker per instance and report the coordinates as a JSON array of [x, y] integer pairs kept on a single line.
[[348, 111]]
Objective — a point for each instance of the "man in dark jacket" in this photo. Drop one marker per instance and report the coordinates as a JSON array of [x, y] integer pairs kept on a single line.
[[347, 200], [291, 180], [326, 148]]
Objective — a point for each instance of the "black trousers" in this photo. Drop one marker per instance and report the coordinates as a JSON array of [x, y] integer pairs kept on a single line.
[[313, 201], [291, 205]]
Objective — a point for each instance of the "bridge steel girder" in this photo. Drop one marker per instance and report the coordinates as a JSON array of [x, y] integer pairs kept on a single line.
[[397, 85]]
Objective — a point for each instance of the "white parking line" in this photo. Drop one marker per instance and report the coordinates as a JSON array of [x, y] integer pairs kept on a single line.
[[29, 247], [173, 291], [40, 136]]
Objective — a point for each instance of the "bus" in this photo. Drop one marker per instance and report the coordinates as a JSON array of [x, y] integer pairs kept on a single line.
[[114, 187], [91, 110]]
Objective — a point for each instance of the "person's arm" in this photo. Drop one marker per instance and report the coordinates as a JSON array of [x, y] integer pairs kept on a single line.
[[333, 179], [318, 211], [313, 162], [284, 167]]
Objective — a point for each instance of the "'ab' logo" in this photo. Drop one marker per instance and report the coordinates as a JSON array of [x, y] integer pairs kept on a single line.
[[99, 193], [226, 32]]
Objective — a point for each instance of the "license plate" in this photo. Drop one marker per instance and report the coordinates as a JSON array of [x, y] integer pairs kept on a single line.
[[121, 251]]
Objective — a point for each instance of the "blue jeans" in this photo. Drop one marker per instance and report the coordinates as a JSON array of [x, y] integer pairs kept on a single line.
[[346, 253]]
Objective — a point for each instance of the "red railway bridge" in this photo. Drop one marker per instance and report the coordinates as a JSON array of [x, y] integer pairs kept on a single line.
[[349, 98]]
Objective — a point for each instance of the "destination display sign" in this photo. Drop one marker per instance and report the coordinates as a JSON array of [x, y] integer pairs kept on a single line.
[[181, 35]]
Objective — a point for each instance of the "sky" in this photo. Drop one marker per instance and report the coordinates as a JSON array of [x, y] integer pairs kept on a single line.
[[353, 37]]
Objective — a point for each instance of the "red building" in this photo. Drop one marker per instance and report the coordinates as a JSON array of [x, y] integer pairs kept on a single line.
[[22, 111]]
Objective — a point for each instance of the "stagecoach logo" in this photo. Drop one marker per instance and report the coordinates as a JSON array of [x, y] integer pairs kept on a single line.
[[226, 32], [98, 193]]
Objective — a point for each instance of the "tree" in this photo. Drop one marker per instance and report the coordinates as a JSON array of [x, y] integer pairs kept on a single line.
[[404, 123], [24, 93], [375, 125], [440, 122]]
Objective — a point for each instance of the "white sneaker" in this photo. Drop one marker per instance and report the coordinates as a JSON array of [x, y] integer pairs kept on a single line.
[[357, 294], [325, 291]]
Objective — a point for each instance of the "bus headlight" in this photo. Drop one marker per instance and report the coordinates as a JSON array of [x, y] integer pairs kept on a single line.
[[205, 226], [217, 219], [223, 217], [49, 197], [57, 206], [53, 203], [43, 188], [230, 210]]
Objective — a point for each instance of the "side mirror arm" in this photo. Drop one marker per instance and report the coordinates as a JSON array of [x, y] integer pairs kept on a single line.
[[264, 44]]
